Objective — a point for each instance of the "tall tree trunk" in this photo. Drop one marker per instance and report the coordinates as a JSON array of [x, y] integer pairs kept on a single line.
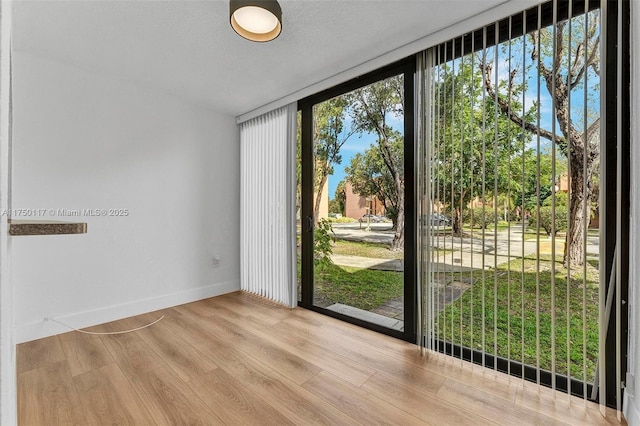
[[574, 144], [574, 249], [457, 221], [398, 236]]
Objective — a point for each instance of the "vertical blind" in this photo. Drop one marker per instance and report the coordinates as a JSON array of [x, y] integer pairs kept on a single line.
[[512, 133], [267, 205]]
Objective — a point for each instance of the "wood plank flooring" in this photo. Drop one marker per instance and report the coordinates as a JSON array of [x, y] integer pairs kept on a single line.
[[239, 359]]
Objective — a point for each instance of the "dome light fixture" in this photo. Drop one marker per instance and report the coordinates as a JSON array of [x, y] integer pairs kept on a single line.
[[257, 20]]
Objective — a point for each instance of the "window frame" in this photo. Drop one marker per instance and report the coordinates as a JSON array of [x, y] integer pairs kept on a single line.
[[407, 67]]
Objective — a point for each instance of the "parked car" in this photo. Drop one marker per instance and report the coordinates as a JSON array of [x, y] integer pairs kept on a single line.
[[438, 219], [371, 218]]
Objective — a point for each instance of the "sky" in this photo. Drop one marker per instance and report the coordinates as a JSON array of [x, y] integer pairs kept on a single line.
[[355, 144]]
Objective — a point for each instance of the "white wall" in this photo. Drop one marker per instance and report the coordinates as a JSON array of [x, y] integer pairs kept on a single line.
[[8, 414], [632, 394], [87, 141]]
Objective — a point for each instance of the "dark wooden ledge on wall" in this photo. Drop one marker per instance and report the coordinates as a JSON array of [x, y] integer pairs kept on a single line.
[[38, 227]]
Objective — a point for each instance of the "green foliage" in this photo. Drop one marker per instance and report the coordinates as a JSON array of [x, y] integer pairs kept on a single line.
[[391, 213], [340, 196], [341, 219], [379, 170], [480, 217], [322, 240], [370, 176], [511, 215], [561, 199], [546, 217], [536, 168], [334, 206], [329, 135], [473, 148]]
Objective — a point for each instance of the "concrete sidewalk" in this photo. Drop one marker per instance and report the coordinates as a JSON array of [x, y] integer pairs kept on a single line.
[[473, 250]]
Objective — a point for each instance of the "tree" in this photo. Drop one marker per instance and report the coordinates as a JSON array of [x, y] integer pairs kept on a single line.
[[370, 177], [334, 206], [328, 137], [472, 148], [340, 196], [579, 142], [536, 185], [373, 108]]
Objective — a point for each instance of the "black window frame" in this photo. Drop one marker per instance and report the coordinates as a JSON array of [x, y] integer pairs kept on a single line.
[[407, 67]]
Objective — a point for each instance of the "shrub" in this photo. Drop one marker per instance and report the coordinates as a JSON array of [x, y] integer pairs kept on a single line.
[[481, 217], [322, 249], [341, 219], [546, 219], [511, 216]]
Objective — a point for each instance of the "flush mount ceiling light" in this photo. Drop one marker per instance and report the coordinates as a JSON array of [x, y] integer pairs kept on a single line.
[[257, 20]]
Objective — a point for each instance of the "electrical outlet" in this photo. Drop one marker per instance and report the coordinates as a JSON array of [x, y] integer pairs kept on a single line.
[[216, 261]]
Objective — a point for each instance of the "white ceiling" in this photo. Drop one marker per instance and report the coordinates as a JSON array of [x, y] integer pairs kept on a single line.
[[189, 49]]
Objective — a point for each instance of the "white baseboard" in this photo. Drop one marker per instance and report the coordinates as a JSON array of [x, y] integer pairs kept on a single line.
[[44, 328], [631, 411]]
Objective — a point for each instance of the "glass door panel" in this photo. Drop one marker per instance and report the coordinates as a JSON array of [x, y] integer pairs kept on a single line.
[[358, 204]]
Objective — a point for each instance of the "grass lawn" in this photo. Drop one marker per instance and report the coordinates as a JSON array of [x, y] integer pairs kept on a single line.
[[363, 249], [372, 250], [517, 296], [361, 288], [516, 311]]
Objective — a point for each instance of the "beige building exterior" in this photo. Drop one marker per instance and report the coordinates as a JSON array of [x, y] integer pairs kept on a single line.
[[324, 202], [355, 205]]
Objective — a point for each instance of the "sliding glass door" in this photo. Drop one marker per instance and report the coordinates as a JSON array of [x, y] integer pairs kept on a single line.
[[357, 216]]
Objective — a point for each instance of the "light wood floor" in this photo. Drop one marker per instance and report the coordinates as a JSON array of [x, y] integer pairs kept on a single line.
[[237, 359]]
